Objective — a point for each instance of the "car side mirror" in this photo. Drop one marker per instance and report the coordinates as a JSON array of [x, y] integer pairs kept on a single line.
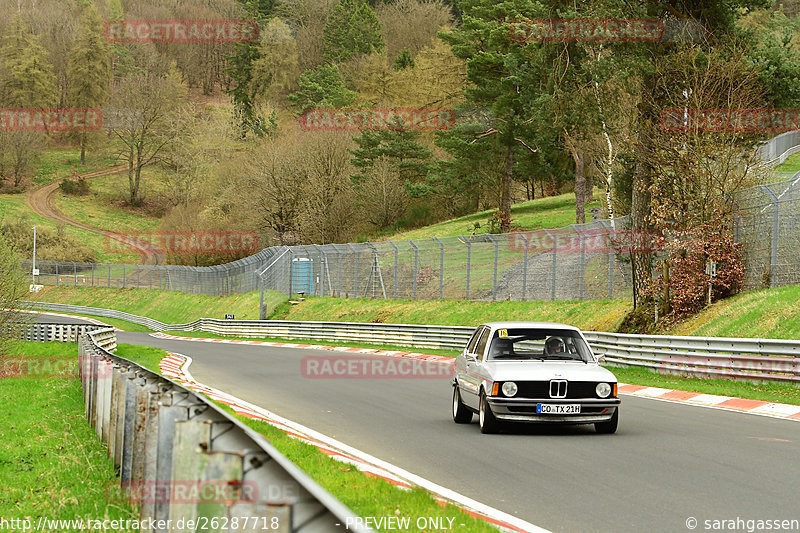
[[471, 357], [600, 358]]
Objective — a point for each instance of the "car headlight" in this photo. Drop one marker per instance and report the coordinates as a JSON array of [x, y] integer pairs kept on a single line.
[[510, 388], [603, 390]]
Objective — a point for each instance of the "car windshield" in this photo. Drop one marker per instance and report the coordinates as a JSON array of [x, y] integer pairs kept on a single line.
[[548, 344]]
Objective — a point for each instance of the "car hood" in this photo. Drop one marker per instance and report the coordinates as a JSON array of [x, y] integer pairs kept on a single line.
[[547, 370]]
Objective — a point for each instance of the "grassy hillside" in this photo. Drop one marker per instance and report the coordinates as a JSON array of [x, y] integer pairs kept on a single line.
[[768, 313], [167, 306], [101, 207], [550, 212], [604, 315], [63, 161]]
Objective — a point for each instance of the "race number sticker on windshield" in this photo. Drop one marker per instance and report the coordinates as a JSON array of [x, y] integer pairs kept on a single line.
[[502, 333]]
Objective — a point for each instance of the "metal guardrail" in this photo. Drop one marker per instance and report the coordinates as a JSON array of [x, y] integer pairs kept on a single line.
[[749, 359], [56, 333], [720, 357], [169, 442]]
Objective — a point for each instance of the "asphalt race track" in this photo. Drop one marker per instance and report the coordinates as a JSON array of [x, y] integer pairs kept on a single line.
[[667, 463]]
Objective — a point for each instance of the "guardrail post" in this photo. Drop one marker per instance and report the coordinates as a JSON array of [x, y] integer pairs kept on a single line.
[[441, 266]]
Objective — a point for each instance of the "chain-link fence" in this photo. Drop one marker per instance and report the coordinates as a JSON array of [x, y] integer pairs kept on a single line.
[[768, 226], [587, 261]]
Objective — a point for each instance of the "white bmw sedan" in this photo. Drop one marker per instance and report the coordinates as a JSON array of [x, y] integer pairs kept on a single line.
[[532, 372]]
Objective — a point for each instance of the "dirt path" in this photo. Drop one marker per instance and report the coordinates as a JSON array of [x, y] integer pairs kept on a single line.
[[40, 200]]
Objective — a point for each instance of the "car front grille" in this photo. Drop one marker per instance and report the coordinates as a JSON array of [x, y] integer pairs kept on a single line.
[[542, 389]]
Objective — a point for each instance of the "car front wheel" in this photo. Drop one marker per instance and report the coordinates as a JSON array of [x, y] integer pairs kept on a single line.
[[609, 426], [487, 420], [461, 415]]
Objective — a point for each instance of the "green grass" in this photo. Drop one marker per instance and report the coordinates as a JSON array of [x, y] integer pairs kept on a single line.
[[598, 315], [100, 208], [170, 307], [51, 462], [767, 313], [792, 164], [13, 206], [62, 162], [550, 212]]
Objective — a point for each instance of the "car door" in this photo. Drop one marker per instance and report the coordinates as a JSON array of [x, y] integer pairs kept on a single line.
[[472, 374]]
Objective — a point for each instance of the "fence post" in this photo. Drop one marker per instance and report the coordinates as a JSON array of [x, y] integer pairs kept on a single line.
[[773, 260], [553, 270], [583, 261], [441, 265], [494, 275], [524, 268], [396, 263], [291, 274], [469, 258], [92, 274], [56, 273], [416, 266], [124, 281]]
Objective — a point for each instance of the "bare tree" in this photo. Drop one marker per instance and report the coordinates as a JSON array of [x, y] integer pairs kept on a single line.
[[149, 113]]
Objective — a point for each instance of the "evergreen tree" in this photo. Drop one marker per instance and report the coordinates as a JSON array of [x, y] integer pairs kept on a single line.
[[401, 149], [89, 63], [27, 79], [497, 69], [352, 28], [240, 67], [322, 87]]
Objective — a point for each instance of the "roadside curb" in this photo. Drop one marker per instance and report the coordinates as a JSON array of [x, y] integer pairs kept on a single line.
[[712, 401]]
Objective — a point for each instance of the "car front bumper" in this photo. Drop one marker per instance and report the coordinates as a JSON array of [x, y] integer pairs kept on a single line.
[[525, 410]]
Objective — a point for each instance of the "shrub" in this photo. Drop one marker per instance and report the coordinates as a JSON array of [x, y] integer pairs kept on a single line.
[[77, 187]]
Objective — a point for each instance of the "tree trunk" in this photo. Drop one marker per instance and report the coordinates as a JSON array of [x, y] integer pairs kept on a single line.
[[640, 201], [580, 179], [588, 195], [505, 199], [83, 149]]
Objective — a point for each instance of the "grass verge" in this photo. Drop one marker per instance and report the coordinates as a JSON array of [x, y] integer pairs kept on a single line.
[[364, 495], [52, 463], [170, 307], [597, 315]]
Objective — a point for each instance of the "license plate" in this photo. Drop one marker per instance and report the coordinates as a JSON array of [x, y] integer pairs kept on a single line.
[[550, 409]]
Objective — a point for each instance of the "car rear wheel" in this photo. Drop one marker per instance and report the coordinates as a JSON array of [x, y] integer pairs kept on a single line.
[[461, 415], [487, 420], [610, 426]]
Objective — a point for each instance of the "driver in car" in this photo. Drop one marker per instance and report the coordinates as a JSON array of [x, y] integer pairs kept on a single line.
[[554, 346]]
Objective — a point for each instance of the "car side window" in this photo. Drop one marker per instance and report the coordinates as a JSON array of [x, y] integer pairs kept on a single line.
[[481, 346], [474, 340]]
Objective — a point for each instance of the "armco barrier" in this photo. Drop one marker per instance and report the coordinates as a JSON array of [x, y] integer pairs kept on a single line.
[[749, 359], [53, 332], [170, 444]]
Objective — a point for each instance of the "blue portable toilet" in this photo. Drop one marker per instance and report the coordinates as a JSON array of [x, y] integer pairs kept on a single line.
[[303, 275]]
